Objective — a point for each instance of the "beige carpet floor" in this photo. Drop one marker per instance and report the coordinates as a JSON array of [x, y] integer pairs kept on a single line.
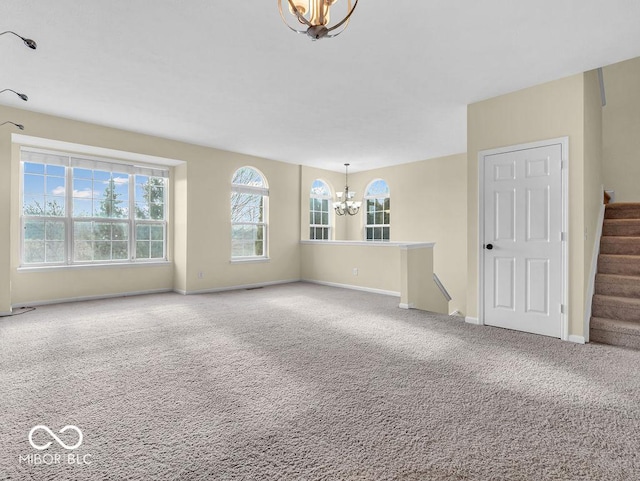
[[305, 382]]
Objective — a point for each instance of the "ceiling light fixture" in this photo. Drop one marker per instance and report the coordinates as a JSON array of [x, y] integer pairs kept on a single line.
[[22, 96], [345, 203], [27, 41], [20, 126], [315, 15]]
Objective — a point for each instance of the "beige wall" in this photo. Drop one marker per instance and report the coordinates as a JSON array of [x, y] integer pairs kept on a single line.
[[593, 170], [547, 111], [199, 220], [5, 221], [621, 130], [378, 265], [428, 204]]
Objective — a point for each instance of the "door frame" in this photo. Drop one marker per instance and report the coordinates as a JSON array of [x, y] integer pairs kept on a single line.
[[564, 147]]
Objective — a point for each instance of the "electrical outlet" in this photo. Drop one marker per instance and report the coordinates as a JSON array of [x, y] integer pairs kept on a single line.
[[355, 271], [200, 275]]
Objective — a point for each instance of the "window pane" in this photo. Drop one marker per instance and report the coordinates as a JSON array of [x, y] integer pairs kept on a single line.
[[33, 168], [156, 211], [157, 232], [120, 250], [54, 251], [83, 251], [82, 173], [258, 248], [369, 233], [385, 233], [142, 250], [83, 230], [34, 252], [312, 233], [34, 230], [55, 231], [143, 232], [157, 250], [33, 205], [55, 170], [248, 214], [102, 251], [55, 186], [370, 218], [54, 206], [102, 175], [33, 184], [248, 176]]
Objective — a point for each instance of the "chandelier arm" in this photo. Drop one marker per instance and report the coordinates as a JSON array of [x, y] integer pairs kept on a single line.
[[285, 20], [344, 20], [298, 14]]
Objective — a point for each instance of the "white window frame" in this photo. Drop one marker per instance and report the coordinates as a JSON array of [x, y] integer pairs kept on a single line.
[[322, 197], [252, 190], [369, 197], [69, 162]]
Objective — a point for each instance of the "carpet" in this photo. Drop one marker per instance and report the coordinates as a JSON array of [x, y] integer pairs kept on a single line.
[[305, 382]]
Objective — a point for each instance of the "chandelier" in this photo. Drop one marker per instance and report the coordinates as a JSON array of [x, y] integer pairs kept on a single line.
[[315, 16], [345, 203]]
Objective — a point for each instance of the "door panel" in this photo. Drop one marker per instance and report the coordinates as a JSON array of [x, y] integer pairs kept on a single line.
[[504, 295], [523, 222]]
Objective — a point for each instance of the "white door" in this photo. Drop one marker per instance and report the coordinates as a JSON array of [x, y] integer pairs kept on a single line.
[[522, 246]]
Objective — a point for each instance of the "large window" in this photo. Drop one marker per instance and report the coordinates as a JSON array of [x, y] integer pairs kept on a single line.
[[81, 211], [249, 209], [319, 219], [377, 212]]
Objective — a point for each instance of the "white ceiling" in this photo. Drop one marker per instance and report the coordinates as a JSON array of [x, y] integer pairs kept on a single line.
[[228, 74]]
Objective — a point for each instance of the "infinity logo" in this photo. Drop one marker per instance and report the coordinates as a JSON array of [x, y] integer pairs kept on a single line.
[[53, 435]]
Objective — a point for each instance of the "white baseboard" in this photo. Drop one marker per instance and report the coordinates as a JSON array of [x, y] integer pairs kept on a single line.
[[355, 288], [234, 288], [472, 320], [89, 298], [404, 305], [576, 339]]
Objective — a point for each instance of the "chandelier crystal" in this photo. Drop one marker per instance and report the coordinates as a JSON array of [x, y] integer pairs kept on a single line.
[[315, 17], [345, 205]]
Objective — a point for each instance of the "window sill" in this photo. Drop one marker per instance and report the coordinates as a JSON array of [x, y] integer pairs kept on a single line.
[[245, 260], [120, 265]]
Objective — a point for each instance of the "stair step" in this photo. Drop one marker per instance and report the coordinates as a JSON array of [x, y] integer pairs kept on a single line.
[[620, 245], [617, 286], [621, 227], [622, 210], [620, 308], [618, 264], [615, 332]]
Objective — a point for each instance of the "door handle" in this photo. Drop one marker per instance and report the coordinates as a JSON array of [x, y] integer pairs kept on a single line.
[[489, 246]]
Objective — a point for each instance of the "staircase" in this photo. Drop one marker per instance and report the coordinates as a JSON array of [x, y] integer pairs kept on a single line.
[[616, 303]]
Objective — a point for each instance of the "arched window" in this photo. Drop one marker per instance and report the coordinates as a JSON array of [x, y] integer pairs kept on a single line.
[[377, 212], [249, 213], [319, 219]]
